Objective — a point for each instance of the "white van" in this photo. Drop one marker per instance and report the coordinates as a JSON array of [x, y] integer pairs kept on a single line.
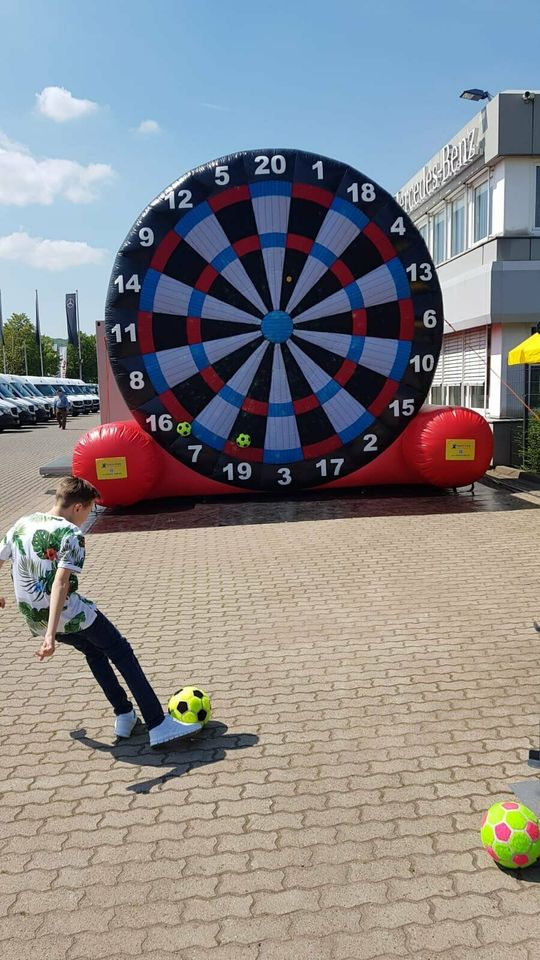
[[24, 391], [80, 387], [48, 386], [9, 415], [28, 411]]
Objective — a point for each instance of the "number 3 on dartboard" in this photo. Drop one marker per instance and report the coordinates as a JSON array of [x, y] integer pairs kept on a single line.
[[285, 475]]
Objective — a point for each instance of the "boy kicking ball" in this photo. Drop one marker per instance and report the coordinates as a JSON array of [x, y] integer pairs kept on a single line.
[[47, 551]]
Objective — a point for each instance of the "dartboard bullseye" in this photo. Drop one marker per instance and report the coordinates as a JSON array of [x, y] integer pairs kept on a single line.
[[274, 319]]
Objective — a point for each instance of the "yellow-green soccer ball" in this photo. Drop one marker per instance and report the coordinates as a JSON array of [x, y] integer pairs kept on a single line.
[[184, 428], [243, 440], [510, 833], [190, 704]]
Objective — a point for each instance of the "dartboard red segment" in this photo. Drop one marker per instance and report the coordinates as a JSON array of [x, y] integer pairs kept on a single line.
[[268, 301]]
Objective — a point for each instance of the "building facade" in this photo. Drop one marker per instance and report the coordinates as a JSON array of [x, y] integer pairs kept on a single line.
[[477, 205]]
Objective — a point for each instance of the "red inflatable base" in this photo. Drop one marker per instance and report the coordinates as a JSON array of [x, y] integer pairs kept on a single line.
[[442, 446]]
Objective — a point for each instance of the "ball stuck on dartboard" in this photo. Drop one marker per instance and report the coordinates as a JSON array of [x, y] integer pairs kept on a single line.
[[189, 705], [243, 440], [184, 428]]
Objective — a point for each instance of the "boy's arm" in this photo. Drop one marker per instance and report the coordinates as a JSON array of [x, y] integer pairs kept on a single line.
[[59, 593], [2, 599]]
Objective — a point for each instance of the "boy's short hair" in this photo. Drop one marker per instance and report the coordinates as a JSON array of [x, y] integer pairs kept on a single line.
[[72, 490]]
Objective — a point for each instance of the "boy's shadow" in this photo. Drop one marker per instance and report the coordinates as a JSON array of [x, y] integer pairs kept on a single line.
[[208, 746]]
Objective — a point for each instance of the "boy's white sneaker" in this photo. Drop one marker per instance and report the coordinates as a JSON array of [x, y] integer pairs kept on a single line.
[[170, 730], [124, 723]]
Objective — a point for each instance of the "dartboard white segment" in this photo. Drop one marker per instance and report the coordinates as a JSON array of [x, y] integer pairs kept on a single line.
[[335, 235], [281, 426], [218, 349], [175, 298], [243, 378], [209, 240], [341, 409]]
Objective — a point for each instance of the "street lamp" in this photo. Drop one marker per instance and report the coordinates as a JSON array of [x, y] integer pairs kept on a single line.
[[475, 94]]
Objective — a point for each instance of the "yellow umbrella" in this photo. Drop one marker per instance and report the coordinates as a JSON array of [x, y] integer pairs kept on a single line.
[[526, 352]]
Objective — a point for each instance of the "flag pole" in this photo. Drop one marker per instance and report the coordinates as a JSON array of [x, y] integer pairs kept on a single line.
[[78, 332], [2, 338], [38, 336]]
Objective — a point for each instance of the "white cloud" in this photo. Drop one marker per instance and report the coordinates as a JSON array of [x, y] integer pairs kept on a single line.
[[149, 126], [216, 106], [58, 104], [7, 144], [48, 254], [25, 179]]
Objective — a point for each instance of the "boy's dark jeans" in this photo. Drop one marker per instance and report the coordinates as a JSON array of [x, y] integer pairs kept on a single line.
[[101, 642]]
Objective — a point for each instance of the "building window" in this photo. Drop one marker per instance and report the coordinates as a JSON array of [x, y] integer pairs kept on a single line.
[[475, 395], [458, 226], [435, 396], [537, 206], [423, 231], [481, 211], [453, 395], [439, 237]]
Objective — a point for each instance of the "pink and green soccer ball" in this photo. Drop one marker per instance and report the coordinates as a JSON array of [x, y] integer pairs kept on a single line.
[[510, 833]]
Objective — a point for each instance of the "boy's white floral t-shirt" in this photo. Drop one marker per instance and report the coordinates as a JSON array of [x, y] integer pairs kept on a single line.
[[37, 545]]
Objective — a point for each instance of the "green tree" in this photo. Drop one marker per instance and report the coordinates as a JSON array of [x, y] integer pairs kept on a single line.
[[51, 360], [20, 333], [89, 359], [531, 452]]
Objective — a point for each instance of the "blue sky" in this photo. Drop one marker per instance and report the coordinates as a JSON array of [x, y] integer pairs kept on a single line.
[[372, 84]]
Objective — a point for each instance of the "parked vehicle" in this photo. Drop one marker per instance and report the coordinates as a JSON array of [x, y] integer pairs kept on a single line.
[[79, 402], [9, 415], [48, 386], [76, 393], [33, 390], [43, 407], [91, 390], [27, 409]]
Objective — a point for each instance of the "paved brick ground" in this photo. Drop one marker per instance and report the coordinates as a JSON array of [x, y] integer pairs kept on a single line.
[[373, 674]]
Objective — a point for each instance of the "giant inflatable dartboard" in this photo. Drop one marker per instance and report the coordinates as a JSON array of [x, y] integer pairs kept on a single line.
[[274, 319]]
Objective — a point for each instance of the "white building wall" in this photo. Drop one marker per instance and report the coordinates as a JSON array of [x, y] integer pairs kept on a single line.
[[497, 197], [502, 403], [490, 290], [519, 177]]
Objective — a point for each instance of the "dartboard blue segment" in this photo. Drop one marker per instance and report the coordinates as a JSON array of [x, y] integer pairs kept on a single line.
[[400, 278], [148, 291], [278, 307], [347, 210], [277, 326]]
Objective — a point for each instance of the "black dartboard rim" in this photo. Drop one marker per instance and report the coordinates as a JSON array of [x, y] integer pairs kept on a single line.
[[281, 310]]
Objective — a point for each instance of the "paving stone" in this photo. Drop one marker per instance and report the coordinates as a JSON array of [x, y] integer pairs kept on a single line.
[[344, 642]]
